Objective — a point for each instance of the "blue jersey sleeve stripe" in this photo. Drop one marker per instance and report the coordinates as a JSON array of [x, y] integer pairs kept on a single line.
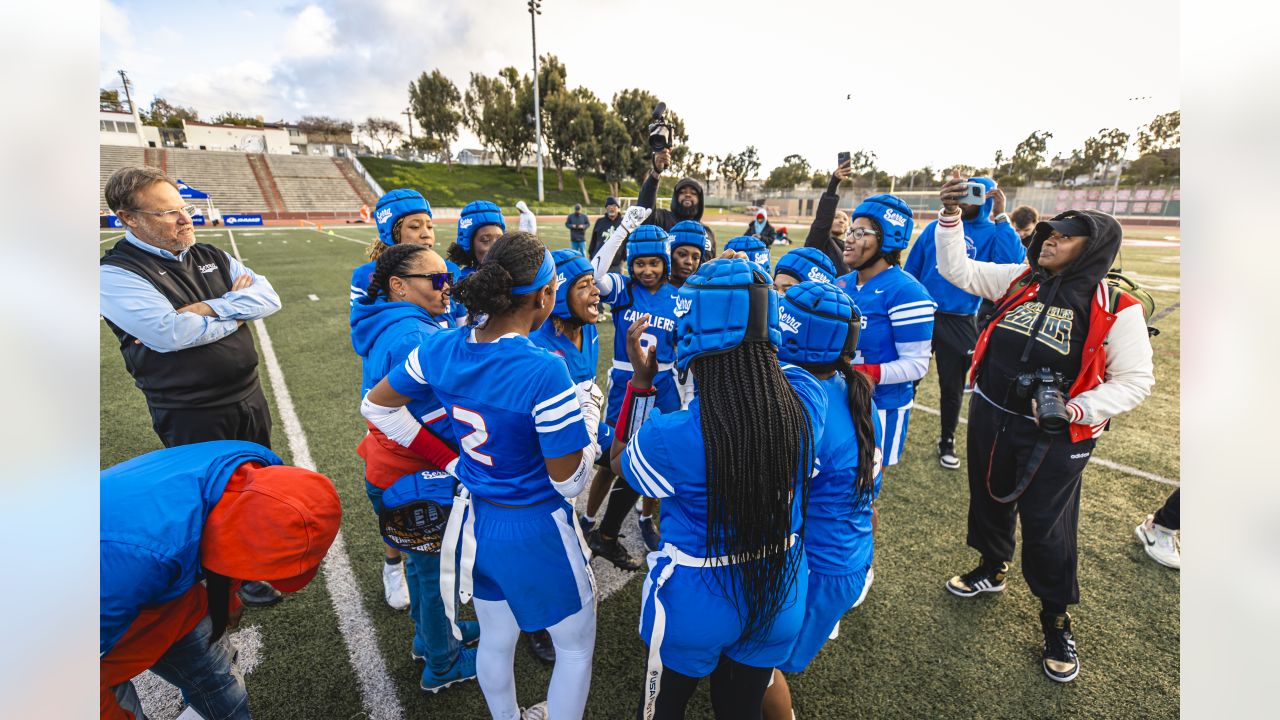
[[575, 417], [555, 400], [557, 412], [907, 306], [656, 481], [414, 368], [899, 323], [914, 312]]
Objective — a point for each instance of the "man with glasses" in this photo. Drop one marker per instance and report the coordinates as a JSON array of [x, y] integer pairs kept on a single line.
[[179, 308]]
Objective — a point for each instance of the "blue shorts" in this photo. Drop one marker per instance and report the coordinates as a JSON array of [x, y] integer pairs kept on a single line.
[[533, 558], [829, 598], [665, 382], [894, 423], [702, 624]]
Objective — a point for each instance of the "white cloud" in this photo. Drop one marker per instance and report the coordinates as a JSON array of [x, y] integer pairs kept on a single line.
[[311, 34]]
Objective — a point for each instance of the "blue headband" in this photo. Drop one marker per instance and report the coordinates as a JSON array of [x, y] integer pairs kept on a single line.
[[544, 276]]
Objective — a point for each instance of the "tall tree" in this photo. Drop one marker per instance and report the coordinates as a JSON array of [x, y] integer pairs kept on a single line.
[[635, 109], [1105, 149], [793, 171], [616, 151], [1162, 133], [584, 127], [437, 106], [382, 131], [163, 114], [1029, 155], [559, 108], [499, 110]]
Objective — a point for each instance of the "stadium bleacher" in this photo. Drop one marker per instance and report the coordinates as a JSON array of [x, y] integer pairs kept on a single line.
[[306, 184]]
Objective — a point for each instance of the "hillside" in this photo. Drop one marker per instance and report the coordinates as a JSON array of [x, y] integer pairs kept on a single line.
[[454, 187]]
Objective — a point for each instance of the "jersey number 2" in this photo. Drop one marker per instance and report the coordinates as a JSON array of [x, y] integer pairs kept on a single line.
[[478, 436]]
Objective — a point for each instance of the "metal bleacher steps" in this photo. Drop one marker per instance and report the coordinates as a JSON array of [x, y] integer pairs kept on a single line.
[[313, 184]]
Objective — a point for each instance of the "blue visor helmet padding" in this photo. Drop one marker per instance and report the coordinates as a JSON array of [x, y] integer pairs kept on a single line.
[[649, 241], [570, 265], [476, 215], [755, 249], [807, 263], [894, 217], [394, 205], [819, 324], [691, 232], [724, 304]]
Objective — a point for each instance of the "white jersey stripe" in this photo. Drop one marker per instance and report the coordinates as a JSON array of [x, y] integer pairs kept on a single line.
[[414, 368], [661, 482], [575, 417], [557, 412], [552, 401]]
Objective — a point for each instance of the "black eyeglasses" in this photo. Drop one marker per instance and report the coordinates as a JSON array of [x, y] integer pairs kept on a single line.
[[438, 280]]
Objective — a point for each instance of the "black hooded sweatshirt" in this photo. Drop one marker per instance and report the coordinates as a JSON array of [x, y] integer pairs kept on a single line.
[[1062, 332], [820, 231], [665, 219]]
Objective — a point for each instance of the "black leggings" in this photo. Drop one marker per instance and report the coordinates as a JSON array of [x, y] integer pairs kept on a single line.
[[621, 499], [737, 692], [1170, 516]]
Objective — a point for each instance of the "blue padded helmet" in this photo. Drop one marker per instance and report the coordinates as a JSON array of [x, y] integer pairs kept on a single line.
[[570, 265], [476, 215], [724, 304], [691, 232], [649, 241], [807, 263], [757, 252], [394, 205], [819, 324], [893, 216]]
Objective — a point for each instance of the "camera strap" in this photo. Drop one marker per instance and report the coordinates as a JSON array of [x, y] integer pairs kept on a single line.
[[1038, 453]]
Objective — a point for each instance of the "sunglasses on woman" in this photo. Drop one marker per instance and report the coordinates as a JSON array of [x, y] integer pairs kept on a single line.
[[439, 281]]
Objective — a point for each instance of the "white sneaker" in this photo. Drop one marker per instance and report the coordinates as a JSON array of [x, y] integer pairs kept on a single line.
[[1160, 542], [537, 712], [394, 587]]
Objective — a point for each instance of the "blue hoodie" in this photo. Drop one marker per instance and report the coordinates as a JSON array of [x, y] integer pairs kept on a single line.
[[153, 510], [984, 241], [383, 334]]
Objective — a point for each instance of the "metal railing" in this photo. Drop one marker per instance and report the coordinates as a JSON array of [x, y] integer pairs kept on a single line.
[[373, 184]]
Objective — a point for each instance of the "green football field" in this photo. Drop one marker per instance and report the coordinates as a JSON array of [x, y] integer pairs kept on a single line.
[[336, 650]]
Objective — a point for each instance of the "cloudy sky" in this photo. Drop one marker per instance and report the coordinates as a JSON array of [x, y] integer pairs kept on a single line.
[[917, 81]]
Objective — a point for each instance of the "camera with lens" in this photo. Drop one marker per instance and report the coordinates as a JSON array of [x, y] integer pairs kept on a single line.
[[661, 132], [1044, 386]]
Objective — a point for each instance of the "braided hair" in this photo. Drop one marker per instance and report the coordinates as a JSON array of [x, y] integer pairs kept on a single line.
[[758, 447], [377, 247], [396, 260], [460, 257], [860, 391], [514, 259]]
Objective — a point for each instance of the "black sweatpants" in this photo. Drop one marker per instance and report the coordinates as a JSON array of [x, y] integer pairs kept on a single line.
[[1170, 516], [737, 692], [249, 419], [953, 339], [1000, 445]]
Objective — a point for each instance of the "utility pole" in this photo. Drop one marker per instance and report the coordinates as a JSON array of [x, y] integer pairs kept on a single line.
[[124, 80], [535, 9], [408, 116], [133, 109], [1115, 189]]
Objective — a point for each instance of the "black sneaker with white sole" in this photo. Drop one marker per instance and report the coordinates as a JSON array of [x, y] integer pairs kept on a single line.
[[947, 457], [983, 578], [1060, 661], [611, 550]]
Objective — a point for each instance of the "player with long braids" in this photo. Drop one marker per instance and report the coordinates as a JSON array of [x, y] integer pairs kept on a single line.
[[403, 217], [897, 313], [820, 327], [406, 302], [646, 292], [528, 445], [725, 596]]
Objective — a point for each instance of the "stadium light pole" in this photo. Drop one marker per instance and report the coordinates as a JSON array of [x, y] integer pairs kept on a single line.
[[535, 9]]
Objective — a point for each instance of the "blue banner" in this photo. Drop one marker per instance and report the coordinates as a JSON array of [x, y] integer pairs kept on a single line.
[[197, 219], [113, 221], [230, 220]]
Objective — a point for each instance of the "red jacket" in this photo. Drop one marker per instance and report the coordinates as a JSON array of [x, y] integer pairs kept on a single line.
[[1102, 316]]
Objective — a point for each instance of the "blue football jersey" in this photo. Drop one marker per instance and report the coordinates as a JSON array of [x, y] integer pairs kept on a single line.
[[629, 300], [838, 536], [582, 363], [895, 309], [667, 460], [512, 404]]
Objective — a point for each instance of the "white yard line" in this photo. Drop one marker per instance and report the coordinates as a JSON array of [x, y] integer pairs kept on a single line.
[[334, 234], [113, 237], [377, 689], [1096, 460]]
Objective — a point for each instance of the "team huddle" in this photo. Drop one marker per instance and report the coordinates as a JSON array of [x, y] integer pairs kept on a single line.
[[750, 412]]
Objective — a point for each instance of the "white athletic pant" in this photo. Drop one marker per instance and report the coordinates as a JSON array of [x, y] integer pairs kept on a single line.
[[574, 639]]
